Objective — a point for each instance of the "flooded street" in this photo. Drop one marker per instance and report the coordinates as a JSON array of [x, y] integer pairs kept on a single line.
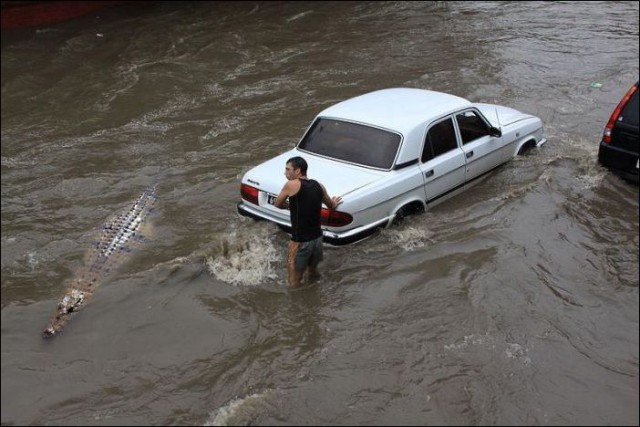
[[514, 303]]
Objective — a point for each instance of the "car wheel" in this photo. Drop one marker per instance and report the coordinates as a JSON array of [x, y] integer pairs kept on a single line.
[[405, 211], [527, 148]]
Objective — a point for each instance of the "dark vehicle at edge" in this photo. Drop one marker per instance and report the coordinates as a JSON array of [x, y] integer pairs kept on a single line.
[[619, 145]]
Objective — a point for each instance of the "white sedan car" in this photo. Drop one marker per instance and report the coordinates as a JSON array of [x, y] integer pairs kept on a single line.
[[389, 153]]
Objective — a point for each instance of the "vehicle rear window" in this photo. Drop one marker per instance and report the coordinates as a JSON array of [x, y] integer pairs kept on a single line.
[[630, 113], [351, 142]]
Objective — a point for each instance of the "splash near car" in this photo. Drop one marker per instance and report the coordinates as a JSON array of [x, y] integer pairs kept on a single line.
[[119, 236], [618, 149], [392, 152]]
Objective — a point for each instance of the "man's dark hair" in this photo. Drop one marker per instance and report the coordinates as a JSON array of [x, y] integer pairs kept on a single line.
[[299, 163]]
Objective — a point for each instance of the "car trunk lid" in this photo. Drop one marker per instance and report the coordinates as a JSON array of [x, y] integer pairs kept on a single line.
[[337, 177]]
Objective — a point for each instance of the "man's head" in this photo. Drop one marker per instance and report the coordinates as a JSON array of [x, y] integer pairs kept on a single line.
[[295, 168]]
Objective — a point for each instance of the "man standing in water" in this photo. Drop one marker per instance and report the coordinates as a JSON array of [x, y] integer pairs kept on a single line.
[[305, 203]]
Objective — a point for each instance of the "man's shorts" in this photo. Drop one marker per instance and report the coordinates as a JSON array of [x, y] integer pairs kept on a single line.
[[305, 254]]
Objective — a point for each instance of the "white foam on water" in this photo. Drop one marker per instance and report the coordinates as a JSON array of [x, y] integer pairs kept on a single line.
[[222, 126], [409, 238], [592, 179], [32, 260], [242, 260], [299, 15], [512, 350], [239, 412], [583, 151], [516, 351], [469, 340], [514, 192]]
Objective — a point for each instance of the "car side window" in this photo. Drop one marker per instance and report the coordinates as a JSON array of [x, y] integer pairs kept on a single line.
[[440, 139], [471, 126]]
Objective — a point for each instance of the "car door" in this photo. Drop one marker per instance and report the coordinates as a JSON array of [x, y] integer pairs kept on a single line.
[[481, 150], [442, 161]]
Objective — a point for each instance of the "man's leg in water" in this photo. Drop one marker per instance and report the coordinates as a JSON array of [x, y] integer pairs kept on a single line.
[[313, 274], [295, 275], [315, 259]]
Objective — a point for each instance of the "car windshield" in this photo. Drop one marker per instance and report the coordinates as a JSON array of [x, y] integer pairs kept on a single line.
[[351, 142]]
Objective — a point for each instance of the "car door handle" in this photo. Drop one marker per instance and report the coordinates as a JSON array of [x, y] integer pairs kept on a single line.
[[469, 154], [427, 174]]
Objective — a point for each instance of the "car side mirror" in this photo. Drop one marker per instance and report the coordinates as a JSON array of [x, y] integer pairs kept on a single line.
[[495, 132]]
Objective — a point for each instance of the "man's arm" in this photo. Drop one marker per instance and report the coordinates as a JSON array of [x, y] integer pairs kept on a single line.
[[331, 202], [289, 189]]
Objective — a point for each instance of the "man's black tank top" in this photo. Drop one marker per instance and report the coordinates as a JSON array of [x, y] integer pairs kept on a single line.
[[305, 209]]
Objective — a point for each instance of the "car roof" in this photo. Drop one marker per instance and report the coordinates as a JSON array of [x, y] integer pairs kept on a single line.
[[398, 109]]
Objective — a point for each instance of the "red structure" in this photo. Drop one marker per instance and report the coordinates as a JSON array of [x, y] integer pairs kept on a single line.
[[20, 14]]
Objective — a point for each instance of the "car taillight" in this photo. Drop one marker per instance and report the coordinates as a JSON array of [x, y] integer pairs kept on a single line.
[[249, 193], [606, 137], [334, 218]]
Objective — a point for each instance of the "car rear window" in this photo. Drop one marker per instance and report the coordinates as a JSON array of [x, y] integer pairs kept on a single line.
[[351, 142], [630, 112]]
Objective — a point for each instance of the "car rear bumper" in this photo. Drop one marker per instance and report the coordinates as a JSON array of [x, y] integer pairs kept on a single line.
[[333, 238], [622, 162]]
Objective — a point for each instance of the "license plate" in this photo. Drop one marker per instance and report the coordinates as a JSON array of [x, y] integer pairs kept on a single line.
[[271, 199]]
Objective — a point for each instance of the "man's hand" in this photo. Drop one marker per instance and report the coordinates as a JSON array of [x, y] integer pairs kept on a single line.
[[335, 201]]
